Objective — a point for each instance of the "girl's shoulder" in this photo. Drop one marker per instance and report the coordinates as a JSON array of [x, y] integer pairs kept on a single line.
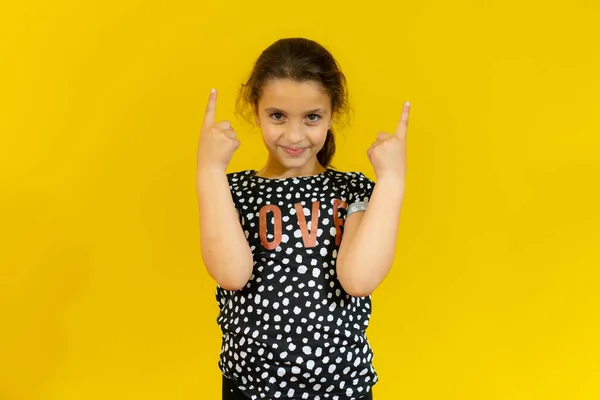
[[238, 174], [350, 175], [353, 178], [238, 177]]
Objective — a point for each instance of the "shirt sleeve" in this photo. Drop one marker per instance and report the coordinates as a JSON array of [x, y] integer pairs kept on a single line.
[[232, 179], [360, 191]]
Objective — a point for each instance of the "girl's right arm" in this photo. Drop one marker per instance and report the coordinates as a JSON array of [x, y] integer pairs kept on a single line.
[[225, 250]]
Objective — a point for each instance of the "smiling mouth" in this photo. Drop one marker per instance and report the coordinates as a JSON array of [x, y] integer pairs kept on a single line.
[[293, 151]]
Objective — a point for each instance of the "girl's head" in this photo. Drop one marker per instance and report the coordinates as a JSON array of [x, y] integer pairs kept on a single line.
[[294, 91]]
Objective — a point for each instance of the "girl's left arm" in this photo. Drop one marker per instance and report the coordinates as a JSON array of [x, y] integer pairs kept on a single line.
[[368, 246]]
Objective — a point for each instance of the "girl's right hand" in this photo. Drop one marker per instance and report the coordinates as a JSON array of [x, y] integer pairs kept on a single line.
[[217, 141]]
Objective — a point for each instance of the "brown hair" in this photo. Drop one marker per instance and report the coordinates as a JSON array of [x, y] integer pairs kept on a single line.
[[301, 60]]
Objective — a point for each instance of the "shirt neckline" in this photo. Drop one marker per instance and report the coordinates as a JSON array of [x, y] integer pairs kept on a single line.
[[303, 177]]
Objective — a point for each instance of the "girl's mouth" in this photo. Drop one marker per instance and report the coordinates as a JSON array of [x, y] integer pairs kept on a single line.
[[293, 151]]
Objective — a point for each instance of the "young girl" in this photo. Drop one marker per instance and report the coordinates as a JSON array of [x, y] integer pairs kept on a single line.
[[297, 248]]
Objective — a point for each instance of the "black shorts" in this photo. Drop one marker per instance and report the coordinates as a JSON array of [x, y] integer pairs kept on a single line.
[[231, 391]]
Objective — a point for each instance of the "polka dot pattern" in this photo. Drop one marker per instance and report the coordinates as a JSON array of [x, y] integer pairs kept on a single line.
[[293, 332]]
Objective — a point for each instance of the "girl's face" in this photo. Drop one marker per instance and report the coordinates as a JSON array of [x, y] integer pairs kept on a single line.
[[294, 117]]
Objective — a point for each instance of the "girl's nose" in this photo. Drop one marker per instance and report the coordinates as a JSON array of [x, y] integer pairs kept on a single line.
[[295, 133]]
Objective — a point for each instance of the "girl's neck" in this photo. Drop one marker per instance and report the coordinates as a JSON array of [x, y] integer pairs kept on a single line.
[[274, 170]]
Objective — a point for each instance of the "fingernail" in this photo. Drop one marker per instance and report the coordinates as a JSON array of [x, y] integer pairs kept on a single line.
[[407, 104], [213, 90]]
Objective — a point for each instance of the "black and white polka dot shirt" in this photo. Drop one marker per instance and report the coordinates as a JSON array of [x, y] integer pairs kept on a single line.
[[293, 332]]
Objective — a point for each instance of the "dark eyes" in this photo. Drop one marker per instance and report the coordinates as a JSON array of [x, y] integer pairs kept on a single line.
[[280, 117]]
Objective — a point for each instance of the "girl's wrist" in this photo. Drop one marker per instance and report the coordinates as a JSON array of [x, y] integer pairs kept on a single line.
[[392, 178], [207, 177], [210, 169], [392, 185]]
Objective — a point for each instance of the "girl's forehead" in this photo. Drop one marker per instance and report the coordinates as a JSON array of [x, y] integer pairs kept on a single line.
[[287, 93]]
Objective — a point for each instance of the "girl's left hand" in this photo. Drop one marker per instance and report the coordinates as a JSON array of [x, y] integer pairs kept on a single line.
[[388, 153]]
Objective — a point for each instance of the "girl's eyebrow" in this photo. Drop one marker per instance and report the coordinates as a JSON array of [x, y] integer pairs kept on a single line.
[[277, 110]]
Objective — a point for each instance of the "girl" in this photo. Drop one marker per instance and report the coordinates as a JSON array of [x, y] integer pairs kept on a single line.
[[293, 248]]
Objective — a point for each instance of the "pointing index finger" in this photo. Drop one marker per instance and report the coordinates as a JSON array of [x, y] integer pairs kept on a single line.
[[403, 124], [211, 108]]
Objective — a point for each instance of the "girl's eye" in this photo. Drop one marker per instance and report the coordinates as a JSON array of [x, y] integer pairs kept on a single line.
[[314, 117], [277, 116]]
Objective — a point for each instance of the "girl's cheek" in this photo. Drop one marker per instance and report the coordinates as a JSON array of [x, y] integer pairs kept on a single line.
[[271, 136]]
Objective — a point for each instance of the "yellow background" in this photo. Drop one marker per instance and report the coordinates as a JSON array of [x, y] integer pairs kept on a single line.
[[495, 290]]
